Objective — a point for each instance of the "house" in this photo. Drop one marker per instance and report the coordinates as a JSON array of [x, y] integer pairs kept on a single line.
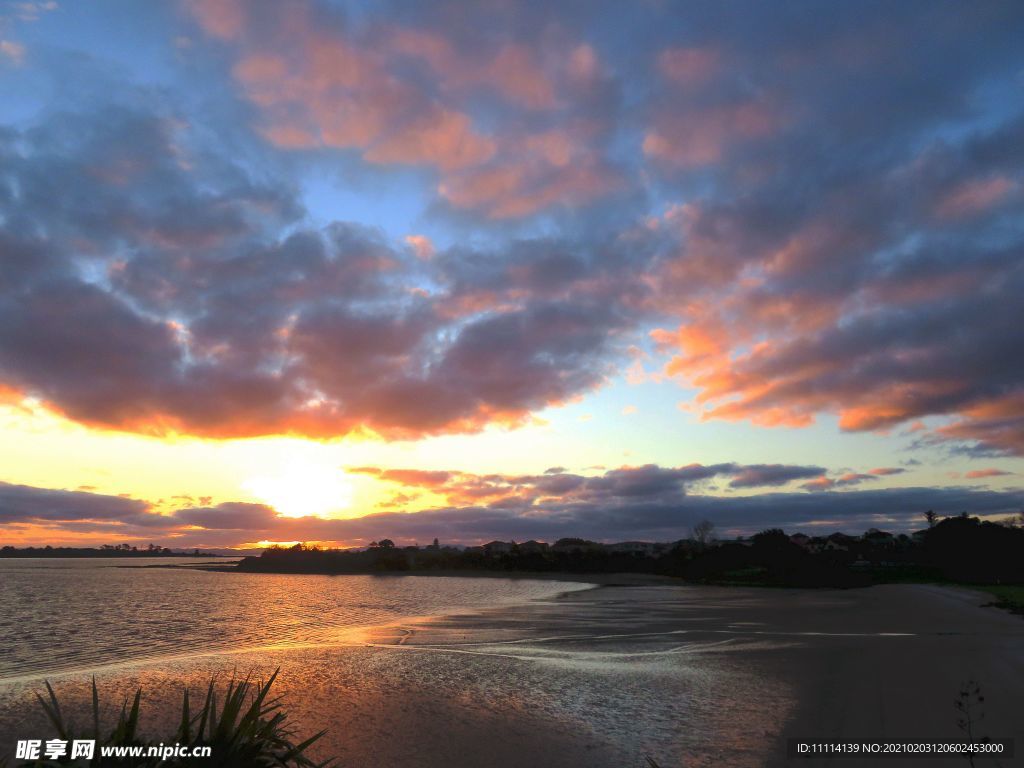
[[573, 545], [497, 547], [801, 540], [838, 541]]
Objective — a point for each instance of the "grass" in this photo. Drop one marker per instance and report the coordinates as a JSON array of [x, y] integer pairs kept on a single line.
[[1009, 597], [246, 727]]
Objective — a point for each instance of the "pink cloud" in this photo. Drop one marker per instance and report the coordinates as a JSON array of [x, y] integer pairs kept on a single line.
[[421, 246], [691, 137], [974, 196], [219, 18], [689, 66], [534, 171], [318, 85], [822, 483], [976, 474]]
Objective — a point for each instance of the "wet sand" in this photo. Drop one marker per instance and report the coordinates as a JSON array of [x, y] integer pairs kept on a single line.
[[694, 676]]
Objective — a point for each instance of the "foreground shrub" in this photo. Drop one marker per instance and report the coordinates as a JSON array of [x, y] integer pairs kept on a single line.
[[248, 728]]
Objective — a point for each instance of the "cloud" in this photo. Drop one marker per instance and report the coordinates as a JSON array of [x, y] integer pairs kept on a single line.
[[759, 475], [824, 483], [421, 246], [234, 516], [224, 19], [122, 307], [662, 502], [397, 94], [646, 503], [975, 474], [809, 219], [13, 52], [646, 483], [974, 196], [32, 10], [23, 503], [827, 263], [690, 66]]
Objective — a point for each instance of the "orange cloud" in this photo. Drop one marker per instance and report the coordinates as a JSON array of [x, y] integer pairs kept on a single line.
[[319, 89], [421, 246], [976, 474], [822, 483]]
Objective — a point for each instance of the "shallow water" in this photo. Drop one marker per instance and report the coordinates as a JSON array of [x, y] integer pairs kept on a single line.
[[596, 678], [696, 676], [59, 615]]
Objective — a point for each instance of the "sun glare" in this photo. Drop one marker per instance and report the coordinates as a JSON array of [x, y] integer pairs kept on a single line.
[[300, 490]]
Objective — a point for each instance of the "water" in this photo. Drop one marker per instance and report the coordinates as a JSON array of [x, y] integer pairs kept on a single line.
[[59, 615]]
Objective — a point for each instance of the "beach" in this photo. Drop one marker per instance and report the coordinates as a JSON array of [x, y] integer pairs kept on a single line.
[[690, 675]]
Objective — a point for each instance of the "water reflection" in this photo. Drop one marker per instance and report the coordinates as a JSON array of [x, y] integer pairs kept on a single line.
[[60, 615]]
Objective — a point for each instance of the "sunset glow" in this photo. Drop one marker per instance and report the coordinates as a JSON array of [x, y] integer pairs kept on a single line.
[[298, 491], [292, 272]]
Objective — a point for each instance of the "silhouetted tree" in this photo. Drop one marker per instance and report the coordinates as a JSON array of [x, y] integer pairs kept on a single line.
[[703, 532], [770, 536], [931, 517]]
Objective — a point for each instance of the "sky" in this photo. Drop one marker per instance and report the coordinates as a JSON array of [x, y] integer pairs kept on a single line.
[[280, 271]]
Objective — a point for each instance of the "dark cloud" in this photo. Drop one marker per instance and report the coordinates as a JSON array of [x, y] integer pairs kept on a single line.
[[231, 515], [24, 503], [759, 475], [644, 484], [602, 508]]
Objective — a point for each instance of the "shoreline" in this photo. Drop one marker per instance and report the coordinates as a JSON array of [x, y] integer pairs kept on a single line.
[[624, 579], [601, 579]]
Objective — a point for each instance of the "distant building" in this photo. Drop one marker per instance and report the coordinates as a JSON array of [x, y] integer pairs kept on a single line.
[[801, 540], [838, 541], [574, 545], [497, 547]]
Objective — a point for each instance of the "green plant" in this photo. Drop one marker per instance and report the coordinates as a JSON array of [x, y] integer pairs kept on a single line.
[[247, 729]]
